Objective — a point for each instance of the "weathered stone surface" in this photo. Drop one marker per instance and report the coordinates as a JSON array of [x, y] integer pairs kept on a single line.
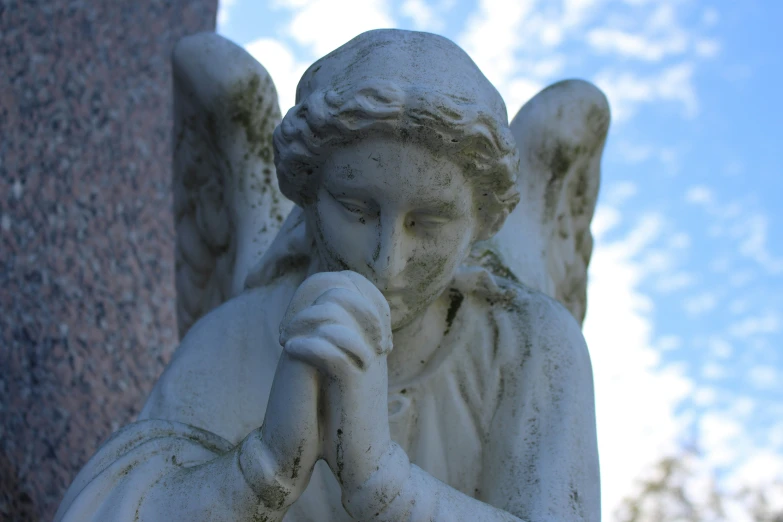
[[86, 233], [286, 400]]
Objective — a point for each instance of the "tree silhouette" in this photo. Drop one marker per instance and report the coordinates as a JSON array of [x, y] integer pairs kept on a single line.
[[683, 488]]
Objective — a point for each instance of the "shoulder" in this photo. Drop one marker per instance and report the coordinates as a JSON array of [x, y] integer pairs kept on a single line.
[[228, 357], [224, 331], [532, 324], [538, 312]]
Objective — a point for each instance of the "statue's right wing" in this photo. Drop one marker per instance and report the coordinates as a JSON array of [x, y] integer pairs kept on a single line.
[[546, 241], [227, 204]]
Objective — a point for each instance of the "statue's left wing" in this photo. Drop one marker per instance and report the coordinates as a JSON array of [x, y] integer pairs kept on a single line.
[[227, 204], [546, 241]]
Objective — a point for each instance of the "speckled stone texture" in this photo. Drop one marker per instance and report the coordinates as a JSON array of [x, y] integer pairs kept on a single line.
[[86, 232]]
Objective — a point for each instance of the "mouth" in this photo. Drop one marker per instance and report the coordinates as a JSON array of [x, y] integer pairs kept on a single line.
[[393, 296], [390, 289]]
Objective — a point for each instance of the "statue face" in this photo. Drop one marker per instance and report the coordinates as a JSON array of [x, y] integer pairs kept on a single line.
[[397, 214]]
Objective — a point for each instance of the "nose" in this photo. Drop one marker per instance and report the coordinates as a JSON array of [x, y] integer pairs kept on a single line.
[[388, 257]]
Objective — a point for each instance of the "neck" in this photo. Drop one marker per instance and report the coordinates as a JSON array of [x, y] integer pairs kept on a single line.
[[416, 342]]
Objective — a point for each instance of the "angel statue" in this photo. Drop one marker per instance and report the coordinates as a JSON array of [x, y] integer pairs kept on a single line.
[[379, 298]]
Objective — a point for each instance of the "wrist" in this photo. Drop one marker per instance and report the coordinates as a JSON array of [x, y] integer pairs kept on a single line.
[[391, 474], [262, 474]]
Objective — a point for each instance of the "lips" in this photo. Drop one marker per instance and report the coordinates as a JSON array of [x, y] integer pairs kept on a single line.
[[397, 295]]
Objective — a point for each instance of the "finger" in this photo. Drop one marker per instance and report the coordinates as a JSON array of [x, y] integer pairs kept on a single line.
[[370, 291], [359, 307], [311, 289], [306, 321], [349, 342], [320, 354], [381, 305]]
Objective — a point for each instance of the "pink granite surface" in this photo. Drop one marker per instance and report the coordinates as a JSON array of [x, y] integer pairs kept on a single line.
[[86, 234]]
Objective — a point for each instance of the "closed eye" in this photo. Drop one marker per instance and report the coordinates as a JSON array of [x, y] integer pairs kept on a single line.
[[353, 206], [427, 220]]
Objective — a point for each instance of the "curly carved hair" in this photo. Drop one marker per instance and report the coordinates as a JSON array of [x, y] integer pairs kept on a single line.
[[450, 126]]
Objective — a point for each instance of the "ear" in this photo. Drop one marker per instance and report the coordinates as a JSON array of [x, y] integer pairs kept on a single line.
[[490, 227], [491, 224]]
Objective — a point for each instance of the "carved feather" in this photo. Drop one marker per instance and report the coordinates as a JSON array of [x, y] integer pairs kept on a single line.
[[546, 241], [227, 205]]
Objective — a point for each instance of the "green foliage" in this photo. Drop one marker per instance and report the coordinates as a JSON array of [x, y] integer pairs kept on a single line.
[[683, 488]]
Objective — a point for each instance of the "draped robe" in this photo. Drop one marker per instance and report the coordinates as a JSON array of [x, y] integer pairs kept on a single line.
[[502, 412]]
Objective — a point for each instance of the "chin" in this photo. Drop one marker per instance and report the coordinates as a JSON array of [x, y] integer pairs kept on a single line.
[[402, 316], [400, 319]]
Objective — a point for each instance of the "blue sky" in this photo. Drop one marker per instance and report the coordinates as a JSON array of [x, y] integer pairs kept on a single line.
[[685, 313]]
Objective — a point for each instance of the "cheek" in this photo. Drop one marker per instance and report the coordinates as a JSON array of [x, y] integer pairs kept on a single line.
[[339, 237], [433, 264]]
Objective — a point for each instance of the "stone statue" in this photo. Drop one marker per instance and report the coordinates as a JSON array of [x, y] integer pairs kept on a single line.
[[369, 329]]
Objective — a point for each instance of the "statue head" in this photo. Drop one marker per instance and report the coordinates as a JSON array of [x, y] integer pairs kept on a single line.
[[399, 152]]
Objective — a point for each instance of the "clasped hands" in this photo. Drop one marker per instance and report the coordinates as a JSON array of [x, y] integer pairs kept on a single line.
[[329, 396]]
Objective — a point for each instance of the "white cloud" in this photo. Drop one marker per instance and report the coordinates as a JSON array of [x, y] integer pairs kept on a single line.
[[673, 282], [627, 91], [324, 25], [710, 17], [542, 68], [224, 13], [740, 279], [633, 45], [760, 469], [514, 42], [668, 343], [493, 35], [707, 48], [720, 265], [765, 377], [620, 192], [658, 260], [635, 397], [726, 444], [713, 370], [550, 33], [742, 406], [517, 92], [705, 396], [680, 241], [606, 218], [633, 154], [700, 304], [753, 243], [749, 228], [651, 36], [279, 61], [775, 435], [739, 306], [719, 348], [718, 434], [670, 159], [699, 195], [577, 12], [423, 15], [767, 323]]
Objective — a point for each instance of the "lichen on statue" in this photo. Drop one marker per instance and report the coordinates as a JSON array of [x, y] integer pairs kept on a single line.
[[367, 370]]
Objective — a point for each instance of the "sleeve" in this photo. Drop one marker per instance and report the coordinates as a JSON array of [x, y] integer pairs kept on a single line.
[[167, 471], [197, 459], [113, 484], [423, 498], [541, 460]]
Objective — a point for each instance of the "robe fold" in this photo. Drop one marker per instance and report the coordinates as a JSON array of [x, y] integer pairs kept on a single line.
[[502, 413]]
